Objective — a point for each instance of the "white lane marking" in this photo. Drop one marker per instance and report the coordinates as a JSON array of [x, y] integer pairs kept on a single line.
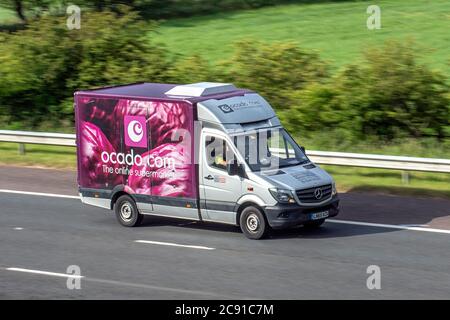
[[368, 224], [174, 244], [390, 226], [46, 273], [160, 288], [415, 225], [17, 228], [126, 284], [54, 195]]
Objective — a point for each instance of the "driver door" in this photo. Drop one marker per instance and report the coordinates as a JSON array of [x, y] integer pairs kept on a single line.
[[219, 191]]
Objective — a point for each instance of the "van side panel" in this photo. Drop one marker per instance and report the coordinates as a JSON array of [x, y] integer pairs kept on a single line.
[[141, 147], [96, 134]]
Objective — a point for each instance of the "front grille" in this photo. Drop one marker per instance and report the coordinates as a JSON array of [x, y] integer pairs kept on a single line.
[[308, 195]]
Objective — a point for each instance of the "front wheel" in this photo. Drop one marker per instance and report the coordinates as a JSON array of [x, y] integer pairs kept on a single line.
[[253, 223], [127, 212]]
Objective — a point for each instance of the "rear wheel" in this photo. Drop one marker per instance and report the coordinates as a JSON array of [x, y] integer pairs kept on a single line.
[[127, 212], [314, 224], [253, 223]]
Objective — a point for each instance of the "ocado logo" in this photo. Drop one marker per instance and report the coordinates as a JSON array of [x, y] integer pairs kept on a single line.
[[225, 108], [135, 131]]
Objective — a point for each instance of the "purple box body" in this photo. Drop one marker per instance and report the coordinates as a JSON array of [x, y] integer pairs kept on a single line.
[[124, 141]]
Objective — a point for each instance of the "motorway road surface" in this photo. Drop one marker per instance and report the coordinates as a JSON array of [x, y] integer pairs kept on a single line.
[[183, 260]]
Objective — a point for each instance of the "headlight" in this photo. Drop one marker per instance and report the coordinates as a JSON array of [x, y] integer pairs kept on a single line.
[[333, 189], [282, 196]]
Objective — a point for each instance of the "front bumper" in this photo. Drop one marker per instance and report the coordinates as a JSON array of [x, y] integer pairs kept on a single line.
[[283, 216]]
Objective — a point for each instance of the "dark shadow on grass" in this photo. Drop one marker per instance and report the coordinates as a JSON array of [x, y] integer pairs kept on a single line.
[[11, 27], [192, 20]]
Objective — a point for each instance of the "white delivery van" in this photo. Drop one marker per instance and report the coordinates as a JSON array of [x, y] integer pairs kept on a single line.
[[203, 151]]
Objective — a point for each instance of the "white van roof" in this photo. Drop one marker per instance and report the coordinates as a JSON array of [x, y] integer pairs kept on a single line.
[[201, 89]]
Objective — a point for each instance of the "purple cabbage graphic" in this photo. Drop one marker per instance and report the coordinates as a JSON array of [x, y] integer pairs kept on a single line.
[[93, 143], [167, 181], [164, 118]]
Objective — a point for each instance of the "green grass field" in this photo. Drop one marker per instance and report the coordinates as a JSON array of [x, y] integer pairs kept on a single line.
[[337, 31], [347, 178], [7, 16]]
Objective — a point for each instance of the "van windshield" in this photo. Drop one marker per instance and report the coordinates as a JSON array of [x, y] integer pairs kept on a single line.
[[269, 149]]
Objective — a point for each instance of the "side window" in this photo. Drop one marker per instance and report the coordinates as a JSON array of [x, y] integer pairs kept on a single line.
[[278, 145], [218, 152]]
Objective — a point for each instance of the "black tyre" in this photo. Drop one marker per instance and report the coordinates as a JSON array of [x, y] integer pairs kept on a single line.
[[253, 223], [127, 212], [314, 224]]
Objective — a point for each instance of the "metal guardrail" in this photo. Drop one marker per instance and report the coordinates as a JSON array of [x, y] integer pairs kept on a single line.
[[380, 161], [377, 161], [56, 139], [319, 157]]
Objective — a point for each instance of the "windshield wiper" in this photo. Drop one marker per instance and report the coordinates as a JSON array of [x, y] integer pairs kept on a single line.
[[294, 164], [290, 164], [304, 161]]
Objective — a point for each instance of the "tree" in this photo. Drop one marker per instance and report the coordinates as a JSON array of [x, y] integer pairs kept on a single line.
[[401, 95], [18, 6], [39, 77], [191, 69], [22, 7], [390, 95], [274, 69]]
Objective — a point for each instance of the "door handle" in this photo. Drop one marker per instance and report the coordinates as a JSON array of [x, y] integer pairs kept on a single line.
[[209, 177]]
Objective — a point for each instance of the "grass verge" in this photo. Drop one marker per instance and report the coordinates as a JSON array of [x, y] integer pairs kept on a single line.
[[38, 156]]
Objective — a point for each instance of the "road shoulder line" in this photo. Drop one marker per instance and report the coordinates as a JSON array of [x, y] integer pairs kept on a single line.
[[41, 194], [389, 226]]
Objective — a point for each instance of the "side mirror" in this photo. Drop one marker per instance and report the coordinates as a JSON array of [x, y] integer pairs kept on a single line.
[[303, 149], [232, 168]]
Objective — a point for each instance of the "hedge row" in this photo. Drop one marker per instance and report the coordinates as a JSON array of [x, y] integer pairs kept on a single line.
[[149, 9], [389, 95]]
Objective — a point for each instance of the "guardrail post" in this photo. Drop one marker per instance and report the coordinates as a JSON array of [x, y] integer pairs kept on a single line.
[[21, 148], [405, 177]]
